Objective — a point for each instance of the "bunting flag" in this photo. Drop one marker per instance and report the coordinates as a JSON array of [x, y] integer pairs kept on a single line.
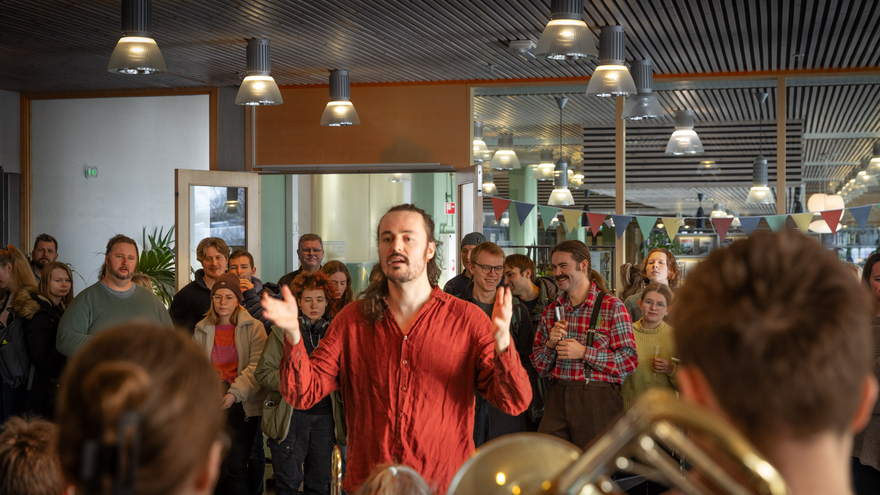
[[803, 221], [749, 224], [860, 213], [523, 210], [571, 219], [832, 218], [646, 225], [776, 222], [672, 225], [499, 205], [620, 223], [596, 220], [547, 215], [722, 225]]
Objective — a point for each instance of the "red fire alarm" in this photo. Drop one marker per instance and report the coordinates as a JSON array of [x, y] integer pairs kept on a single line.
[[450, 208]]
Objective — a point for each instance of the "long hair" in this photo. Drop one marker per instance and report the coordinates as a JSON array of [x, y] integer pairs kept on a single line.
[[580, 252], [214, 318], [631, 279], [336, 305], [43, 287], [22, 275], [671, 266], [374, 295]]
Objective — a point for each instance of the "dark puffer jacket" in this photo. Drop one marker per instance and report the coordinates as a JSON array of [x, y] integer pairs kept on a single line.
[[191, 303]]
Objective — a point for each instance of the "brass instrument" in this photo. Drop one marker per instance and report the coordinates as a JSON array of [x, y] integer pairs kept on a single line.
[[639, 444], [336, 471]]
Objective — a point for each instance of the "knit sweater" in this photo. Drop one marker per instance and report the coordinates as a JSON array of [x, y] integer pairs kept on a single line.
[[96, 308], [866, 445], [644, 377]]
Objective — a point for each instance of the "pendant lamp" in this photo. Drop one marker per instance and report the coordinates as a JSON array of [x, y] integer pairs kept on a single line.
[[874, 161], [505, 158], [137, 52], [258, 87], [866, 180], [708, 167], [701, 215], [479, 144], [824, 202], [577, 178], [340, 111], [566, 36], [489, 187], [644, 105], [545, 169], [684, 141], [611, 77], [760, 193], [561, 195], [718, 211]]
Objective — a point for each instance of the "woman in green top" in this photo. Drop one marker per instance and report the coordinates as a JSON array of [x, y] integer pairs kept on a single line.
[[654, 345]]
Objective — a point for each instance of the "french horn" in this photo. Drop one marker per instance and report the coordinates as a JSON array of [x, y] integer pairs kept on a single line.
[[648, 442]]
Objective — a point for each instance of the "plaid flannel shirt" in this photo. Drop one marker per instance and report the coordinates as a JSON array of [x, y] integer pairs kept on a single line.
[[613, 355]]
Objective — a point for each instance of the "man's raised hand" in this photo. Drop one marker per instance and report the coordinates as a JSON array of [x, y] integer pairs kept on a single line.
[[501, 315], [284, 313]]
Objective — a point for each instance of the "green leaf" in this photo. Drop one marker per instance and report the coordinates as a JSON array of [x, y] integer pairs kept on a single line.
[[157, 262]]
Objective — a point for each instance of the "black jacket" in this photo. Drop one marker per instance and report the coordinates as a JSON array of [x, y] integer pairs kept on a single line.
[[252, 300], [191, 304], [41, 318], [287, 279]]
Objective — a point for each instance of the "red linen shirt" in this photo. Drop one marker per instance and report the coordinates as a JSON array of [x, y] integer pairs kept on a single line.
[[409, 398], [613, 355]]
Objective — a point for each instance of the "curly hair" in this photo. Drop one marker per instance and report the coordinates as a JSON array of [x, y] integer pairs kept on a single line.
[[311, 281], [336, 304], [671, 265]]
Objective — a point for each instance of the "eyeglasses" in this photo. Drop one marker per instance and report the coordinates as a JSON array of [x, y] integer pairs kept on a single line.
[[224, 298], [488, 269], [312, 251], [658, 304]]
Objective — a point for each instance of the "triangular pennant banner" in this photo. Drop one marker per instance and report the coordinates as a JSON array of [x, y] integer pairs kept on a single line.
[[499, 205], [722, 226], [596, 220], [749, 224], [571, 218], [803, 221], [620, 223], [523, 210], [547, 215], [776, 222], [832, 218], [860, 213], [646, 225], [672, 225]]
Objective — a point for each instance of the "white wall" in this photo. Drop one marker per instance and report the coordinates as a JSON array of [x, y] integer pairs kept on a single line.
[[10, 157], [136, 143]]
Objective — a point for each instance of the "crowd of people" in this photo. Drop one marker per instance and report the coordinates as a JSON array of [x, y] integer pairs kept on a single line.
[[408, 379]]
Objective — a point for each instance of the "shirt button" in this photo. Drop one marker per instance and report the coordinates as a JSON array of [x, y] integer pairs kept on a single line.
[[404, 361], [399, 442], [403, 388], [404, 337]]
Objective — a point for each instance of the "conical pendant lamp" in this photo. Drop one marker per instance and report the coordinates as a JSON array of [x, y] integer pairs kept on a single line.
[[258, 87], [644, 105], [505, 158], [684, 140], [545, 169], [760, 193], [137, 52], [566, 36], [611, 77], [479, 144], [561, 195], [340, 111]]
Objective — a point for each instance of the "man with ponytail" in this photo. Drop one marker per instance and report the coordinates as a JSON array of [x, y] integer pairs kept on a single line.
[[588, 350], [409, 356]]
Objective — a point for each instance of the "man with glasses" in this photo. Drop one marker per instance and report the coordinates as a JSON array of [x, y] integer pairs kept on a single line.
[[487, 265], [311, 257]]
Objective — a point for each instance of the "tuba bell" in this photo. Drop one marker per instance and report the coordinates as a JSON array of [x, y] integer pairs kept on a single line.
[[649, 442]]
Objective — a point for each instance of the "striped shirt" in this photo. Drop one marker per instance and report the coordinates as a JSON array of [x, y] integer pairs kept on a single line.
[[613, 355]]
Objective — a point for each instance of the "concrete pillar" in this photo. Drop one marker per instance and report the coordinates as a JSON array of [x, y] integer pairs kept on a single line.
[[523, 187]]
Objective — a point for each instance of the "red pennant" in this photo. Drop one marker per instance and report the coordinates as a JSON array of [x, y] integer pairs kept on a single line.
[[595, 220], [722, 225], [832, 218], [499, 205]]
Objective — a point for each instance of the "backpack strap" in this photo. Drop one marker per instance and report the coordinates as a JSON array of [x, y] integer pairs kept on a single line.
[[594, 318]]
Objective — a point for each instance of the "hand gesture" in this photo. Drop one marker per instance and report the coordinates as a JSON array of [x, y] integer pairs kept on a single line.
[[557, 333], [284, 313], [501, 315], [662, 366], [245, 284], [228, 401], [570, 349]]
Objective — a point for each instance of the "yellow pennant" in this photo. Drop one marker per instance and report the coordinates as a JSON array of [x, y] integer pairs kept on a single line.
[[572, 217], [672, 225], [803, 221]]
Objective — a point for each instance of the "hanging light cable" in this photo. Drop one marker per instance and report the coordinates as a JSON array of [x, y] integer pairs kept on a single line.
[[505, 158], [644, 105], [561, 195], [684, 140], [760, 193], [340, 111], [258, 87], [137, 51], [566, 36], [611, 77]]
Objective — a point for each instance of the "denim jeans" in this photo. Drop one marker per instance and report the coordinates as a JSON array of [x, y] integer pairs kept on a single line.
[[233, 473], [257, 464], [307, 447]]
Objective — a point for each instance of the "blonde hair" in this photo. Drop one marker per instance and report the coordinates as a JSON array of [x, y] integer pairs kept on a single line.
[[214, 318], [143, 280], [214, 242], [45, 278], [22, 274]]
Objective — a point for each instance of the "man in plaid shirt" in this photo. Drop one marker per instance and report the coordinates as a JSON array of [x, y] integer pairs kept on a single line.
[[584, 397]]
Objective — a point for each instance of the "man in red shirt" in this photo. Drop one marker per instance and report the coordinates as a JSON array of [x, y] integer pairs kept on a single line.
[[407, 358]]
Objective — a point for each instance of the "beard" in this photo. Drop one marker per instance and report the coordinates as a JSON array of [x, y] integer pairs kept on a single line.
[[413, 269], [41, 263], [117, 275]]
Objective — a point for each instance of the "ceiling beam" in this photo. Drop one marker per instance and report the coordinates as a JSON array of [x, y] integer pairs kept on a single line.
[[842, 135]]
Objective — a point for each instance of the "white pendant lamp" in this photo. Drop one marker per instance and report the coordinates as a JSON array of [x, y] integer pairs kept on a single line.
[[258, 87], [644, 105], [611, 77], [566, 36], [137, 52], [479, 144], [577, 179], [866, 180], [718, 211], [824, 202], [561, 195], [684, 140], [489, 187], [505, 158], [760, 193], [545, 169], [340, 111], [708, 167]]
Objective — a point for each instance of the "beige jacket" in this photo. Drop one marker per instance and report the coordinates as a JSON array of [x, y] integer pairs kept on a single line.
[[250, 337]]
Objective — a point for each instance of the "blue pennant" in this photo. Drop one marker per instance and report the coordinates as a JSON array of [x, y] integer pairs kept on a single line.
[[523, 210], [749, 224], [860, 213], [620, 223]]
